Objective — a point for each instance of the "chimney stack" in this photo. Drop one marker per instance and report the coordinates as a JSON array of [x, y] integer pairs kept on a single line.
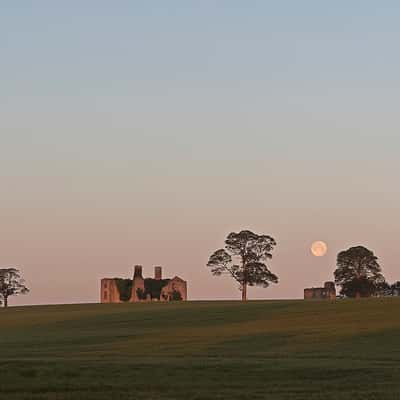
[[157, 273], [138, 272]]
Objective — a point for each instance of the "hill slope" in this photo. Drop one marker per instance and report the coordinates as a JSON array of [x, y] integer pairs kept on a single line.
[[202, 350]]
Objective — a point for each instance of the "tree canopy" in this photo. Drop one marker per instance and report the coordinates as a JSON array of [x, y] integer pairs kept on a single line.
[[395, 289], [358, 272], [244, 258], [11, 284], [387, 289]]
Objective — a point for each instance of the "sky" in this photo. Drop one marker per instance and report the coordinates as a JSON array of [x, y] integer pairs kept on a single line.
[[143, 132]]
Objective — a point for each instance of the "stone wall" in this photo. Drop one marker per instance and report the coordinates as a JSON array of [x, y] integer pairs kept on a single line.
[[175, 284], [109, 292], [328, 292]]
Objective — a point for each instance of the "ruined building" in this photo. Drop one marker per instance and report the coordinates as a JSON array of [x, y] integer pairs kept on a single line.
[[328, 292], [117, 290]]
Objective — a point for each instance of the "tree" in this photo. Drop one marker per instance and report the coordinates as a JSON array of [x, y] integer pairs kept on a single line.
[[395, 289], [176, 296], [11, 284], [358, 272], [244, 259], [383, 289]]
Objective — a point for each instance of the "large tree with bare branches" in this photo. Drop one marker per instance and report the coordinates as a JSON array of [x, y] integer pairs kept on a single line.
[[244, 258]]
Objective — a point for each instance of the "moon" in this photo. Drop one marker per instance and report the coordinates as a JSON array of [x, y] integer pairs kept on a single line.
[[319, 249]]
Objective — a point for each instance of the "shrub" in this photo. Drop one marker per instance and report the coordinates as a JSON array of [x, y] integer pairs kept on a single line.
[[154, 287], [176, 296], [124, 288]]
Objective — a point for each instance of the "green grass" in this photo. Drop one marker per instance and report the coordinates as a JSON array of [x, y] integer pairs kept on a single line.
[[202, 350]]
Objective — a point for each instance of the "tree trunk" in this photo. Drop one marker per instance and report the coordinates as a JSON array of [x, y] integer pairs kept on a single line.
[[244, 291], [5, 301]]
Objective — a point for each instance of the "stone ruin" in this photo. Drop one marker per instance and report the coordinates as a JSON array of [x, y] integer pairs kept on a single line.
[[328, 292], [117, 290]]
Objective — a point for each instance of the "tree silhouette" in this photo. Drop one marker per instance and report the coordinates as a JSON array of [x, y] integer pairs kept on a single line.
[[395, 289], [244, 259], [383, 289], [11, 284], [358, 272]]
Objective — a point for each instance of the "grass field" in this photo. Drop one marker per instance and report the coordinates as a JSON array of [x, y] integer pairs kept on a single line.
[[202, 350]]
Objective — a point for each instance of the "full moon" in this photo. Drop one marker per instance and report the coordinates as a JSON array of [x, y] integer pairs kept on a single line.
[[319, 249]]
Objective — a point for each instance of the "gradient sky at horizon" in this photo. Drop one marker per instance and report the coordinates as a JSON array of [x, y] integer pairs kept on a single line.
[[137, 132]]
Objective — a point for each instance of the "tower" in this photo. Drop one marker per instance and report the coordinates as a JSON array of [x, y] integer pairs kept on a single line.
[[330, 290], [157, 273], [137, 284]]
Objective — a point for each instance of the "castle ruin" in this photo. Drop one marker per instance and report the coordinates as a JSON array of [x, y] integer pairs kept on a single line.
[[117, 290], [328, 292]]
